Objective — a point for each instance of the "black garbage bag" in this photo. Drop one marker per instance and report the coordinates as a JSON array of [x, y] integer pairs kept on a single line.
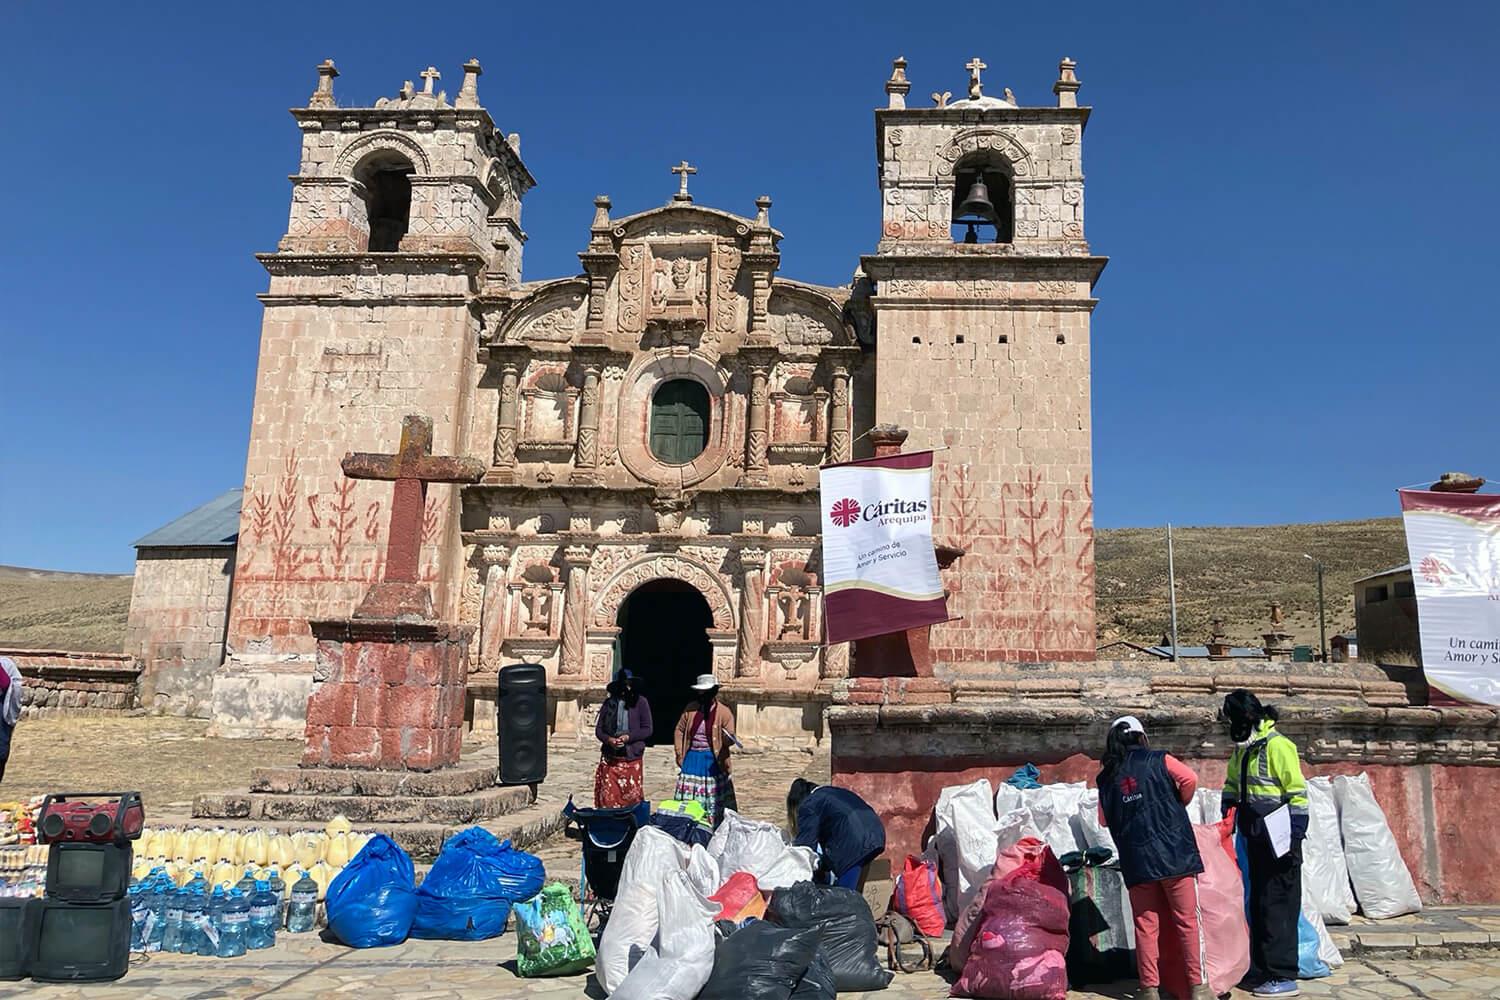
[[846, 931], [760, 962], [817, 982]]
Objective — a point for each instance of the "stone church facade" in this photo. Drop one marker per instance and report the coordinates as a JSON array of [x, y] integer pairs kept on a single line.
[[655, 423]]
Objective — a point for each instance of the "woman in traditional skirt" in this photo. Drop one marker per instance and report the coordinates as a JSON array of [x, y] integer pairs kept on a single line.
[[702, 741], [623, 728]]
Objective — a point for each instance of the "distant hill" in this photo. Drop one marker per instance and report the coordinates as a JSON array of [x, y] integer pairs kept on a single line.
[[1235, 573], [42, 609], [1228, 573]]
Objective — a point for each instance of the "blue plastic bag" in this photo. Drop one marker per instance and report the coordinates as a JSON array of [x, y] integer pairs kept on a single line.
[[371, 902], [1026, 776], [469, 891], [1309, 965]]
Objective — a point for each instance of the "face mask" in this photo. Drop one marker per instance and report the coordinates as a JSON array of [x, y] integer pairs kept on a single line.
[[1241, 731]]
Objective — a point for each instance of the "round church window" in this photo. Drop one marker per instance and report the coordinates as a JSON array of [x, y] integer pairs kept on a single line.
[[679, 421]]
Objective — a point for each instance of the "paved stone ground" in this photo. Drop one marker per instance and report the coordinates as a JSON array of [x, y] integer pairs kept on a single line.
[[304, 968]]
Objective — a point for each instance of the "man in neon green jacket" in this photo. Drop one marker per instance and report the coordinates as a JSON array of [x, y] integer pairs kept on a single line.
[[1265, 775]]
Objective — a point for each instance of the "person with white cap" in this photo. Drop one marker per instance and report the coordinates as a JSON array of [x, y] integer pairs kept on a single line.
[[1143, 797], [702, 740]]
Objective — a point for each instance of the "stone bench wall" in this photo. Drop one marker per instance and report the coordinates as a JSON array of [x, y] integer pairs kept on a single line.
[[1434, 771], [66, 681]]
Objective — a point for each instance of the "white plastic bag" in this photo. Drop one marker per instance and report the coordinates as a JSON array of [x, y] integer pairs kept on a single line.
[[1095, 833], [1053, 809], [703, 870], [796, 864], [1205, 806], [1325, 873], [745, 845], [683, 958], [633, 922], [1328, 952], [966, 841], [1382, 883]]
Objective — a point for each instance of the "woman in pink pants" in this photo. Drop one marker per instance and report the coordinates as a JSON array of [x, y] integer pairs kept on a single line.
[[1143, 795]]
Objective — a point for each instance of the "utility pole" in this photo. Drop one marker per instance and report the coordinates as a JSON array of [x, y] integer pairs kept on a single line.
[[1172, 590], [1322, 617]]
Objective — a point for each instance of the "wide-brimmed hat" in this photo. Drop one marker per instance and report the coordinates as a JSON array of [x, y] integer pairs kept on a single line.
[[705, 682]]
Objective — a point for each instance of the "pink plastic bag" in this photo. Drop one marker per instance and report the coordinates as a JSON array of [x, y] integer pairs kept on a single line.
[[1016, 948], [918, 895], [1221, 910], [1027, 850]]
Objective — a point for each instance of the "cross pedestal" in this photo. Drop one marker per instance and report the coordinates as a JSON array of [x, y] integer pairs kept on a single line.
[[389, 684]]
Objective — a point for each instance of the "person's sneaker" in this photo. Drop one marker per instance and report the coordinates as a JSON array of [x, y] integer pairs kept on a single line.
[[1276, 988], [1203, 992], [1148, 993]]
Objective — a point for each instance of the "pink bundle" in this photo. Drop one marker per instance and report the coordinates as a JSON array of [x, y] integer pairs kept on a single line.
[[1015, 946]]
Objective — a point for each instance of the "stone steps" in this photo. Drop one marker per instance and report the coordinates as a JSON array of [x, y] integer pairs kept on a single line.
[[375, 809], [468, 777], [524, 827]]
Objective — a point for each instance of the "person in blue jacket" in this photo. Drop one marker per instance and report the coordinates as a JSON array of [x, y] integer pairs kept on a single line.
[[840, 826]]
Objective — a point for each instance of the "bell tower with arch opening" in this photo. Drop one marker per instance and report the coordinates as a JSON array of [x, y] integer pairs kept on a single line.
[[402, 215], [981, 290]]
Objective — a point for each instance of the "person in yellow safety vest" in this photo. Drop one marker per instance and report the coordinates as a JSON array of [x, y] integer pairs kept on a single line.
[[1265, 774]]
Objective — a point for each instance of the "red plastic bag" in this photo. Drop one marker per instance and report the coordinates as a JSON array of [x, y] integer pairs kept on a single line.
[[1221, 916], [1028, 851], [919, 895], [739, 898], [1016, 948]]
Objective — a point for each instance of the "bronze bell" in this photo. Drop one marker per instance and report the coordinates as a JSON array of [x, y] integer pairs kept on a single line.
[[978, 204]]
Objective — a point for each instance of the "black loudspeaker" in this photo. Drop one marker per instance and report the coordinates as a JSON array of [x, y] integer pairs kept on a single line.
[[523, 724], [16, 916]]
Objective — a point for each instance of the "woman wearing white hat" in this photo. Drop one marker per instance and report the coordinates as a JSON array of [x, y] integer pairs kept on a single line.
[[702, 740]]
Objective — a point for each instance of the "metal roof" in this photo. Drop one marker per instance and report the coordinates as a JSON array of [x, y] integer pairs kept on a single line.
[[1403, 568], [214, 525], [1201, 652]]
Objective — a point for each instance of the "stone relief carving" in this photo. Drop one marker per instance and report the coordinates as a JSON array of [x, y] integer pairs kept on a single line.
[[708, 583], [997, 140], [551, 324]]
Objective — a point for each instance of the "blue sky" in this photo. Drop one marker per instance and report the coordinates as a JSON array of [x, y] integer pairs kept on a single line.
[[1298, 201]]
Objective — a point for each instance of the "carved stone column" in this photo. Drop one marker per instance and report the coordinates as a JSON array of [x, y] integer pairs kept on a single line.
[[575, 622], [505, 425], [752, 612], [757, 422], [838, 418], [586, 459], [492, 616]]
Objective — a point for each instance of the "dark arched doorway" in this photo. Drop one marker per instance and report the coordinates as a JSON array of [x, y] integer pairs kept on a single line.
[[664, 642]]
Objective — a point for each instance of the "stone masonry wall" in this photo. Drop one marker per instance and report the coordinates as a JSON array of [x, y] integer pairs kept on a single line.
[[55, 680], [179, 605]]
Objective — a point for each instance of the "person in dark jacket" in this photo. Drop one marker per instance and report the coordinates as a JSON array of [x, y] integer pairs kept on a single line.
[[623, 728], [840, 826], [1143, 797]]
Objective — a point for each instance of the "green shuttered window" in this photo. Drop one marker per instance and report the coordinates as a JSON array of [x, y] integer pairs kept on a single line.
[[679, 421]]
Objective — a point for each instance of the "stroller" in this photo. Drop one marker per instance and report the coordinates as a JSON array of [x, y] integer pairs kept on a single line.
[[606, 835]]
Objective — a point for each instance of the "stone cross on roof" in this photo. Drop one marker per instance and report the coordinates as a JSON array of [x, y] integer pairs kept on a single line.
[[683, 170], [412, 467], [428, 75], [974, 66]]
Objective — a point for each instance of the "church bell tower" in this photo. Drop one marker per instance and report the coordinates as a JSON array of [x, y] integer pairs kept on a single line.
[[981, 291]]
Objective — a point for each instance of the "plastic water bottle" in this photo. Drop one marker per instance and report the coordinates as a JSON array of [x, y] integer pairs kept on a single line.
[[236, 924], [137, 917], [213, 924], [192, 920], [246, 884], [302, 913], [156, 919], [264, 908], [278, 889], [171, 939]]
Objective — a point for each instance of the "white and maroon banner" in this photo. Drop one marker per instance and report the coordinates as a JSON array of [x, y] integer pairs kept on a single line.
[[1454, 541], [880, 573]]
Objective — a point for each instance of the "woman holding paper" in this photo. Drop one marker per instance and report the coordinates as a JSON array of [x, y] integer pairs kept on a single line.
[[1143, 797], [1264, 782]]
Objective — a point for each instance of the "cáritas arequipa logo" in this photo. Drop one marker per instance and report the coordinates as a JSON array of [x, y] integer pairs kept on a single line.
[[888, 512]]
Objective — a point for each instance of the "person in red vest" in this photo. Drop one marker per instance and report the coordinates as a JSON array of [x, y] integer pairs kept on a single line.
[[1143, 797]]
